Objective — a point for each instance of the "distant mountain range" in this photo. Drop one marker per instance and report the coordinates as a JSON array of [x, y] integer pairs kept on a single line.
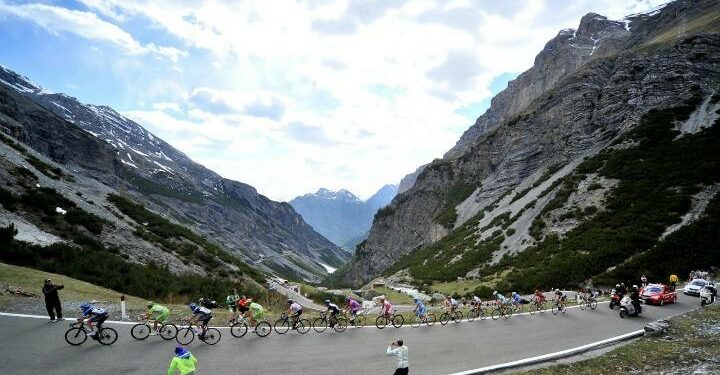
[[340, 216], [104, 153]]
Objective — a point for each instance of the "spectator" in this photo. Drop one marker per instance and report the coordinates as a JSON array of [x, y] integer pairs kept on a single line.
[[183, 361], [673, 281], [52, 300], [399, 350]]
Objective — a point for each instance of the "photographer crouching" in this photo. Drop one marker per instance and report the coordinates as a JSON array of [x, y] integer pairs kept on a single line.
[[399, 350]]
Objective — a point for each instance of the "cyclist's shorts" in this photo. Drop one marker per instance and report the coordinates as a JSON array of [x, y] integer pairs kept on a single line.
[[297, 313], [354, 312], [99, 319], [205, 318], [243, 309], [162, 318]]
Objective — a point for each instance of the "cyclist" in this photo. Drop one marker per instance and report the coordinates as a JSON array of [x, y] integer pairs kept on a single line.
[[295, 310], [451, 304], [518, 300], [560, 298], [201, 316], [386, 309], [420, 309], [231, 303], [160, 312], [500, 299], [333, 310], [242, 305], [93, 315], [256, 311], [353, 307], [538, 296]]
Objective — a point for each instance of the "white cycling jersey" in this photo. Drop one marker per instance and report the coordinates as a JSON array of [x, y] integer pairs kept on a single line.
[[295, 307]]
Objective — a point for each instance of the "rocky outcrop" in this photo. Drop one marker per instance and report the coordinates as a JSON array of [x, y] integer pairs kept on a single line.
[[585, 88]]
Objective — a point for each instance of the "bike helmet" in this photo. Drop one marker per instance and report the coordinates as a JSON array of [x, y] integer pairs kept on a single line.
[[327, 301], [347, 299], [635, 286], [513, 293], [290, 302], [193, 306], [150, 304], [617, 285], [85, 306], [557, 290], [416, 300], [495, 293]]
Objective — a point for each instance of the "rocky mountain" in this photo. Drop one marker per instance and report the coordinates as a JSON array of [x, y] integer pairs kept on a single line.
[[534, 174], [340, 216], [98, 143]]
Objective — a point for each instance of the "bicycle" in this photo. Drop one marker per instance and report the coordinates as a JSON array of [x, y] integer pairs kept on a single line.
[[428, 319], [338, 323], [239, 327], [503, 310], [78, 334], [456, 316], [477, 312], [186, 335], [357, 320], [558, 307], [586, 302], [142, 330], [285, 323], [537, 306], [396, 320]]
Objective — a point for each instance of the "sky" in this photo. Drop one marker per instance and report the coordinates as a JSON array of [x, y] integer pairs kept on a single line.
[[291, 96]]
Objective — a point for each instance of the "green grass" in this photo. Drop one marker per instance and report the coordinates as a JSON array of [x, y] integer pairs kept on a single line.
[[688, 347]]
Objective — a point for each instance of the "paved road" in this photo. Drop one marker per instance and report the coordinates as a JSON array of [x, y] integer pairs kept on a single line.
[[32, 346]]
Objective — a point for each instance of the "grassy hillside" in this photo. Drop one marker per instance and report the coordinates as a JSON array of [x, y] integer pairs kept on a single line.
[[658, 178]]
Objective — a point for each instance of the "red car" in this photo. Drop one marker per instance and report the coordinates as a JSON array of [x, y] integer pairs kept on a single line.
[[658, 294]]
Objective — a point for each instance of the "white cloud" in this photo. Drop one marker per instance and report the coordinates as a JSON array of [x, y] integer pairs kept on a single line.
[[290, 96], [88, 25]]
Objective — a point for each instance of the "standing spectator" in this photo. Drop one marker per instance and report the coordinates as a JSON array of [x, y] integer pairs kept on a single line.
[[183, 361], [673, 281], [52, 300], [399, 350]]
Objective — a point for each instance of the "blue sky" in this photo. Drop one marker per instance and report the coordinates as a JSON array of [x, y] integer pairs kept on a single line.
[[290, 96]]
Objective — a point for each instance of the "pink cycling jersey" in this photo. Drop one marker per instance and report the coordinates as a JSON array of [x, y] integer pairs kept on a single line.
[[387, 307], [353, 305]]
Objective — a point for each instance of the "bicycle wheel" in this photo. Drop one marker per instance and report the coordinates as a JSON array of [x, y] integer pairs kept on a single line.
[[107, 335], [282, 326], [212, 336], [360, 321], [185, 336], [341, 324], [583, 305], [472, 314], [398, 321], [263, 329], [555, 309], [75, 336], [431, 319], [508, 313], [303, 326], [416, 321], [238, 329], [458, 317], [140, 331], [320, 325], [593, 304], [381, 322], [168, 331], [444, 318], [496, 314]]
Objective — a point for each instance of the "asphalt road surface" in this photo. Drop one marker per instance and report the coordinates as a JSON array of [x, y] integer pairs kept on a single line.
[[35, 346]]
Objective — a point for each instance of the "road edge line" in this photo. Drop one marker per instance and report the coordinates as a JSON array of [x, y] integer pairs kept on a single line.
[[553, 356]]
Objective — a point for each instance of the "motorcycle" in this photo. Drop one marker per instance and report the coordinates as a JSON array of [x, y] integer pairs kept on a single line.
[[707, 295], [614, 299], [627, 308]]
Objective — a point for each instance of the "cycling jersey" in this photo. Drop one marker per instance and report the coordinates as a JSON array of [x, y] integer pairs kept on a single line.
[[477, 299], [295, 307], [421, 309], [387, 307], [94, 311], [517, 298], [159, 311], [202, 310], [353, 305], [453, 302], [256, 308], [334, 308]]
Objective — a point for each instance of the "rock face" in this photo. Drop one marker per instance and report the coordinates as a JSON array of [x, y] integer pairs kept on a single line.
[[97, 142], [341, 216], [587, 86]]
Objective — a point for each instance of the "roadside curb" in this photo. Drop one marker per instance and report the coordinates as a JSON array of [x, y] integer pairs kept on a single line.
[[553, 356]]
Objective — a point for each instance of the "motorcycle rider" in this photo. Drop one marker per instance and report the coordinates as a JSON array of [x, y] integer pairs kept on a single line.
[[622, 290], [635, 298]]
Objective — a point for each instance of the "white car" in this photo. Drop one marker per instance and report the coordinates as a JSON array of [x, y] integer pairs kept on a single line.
[[693, 288]]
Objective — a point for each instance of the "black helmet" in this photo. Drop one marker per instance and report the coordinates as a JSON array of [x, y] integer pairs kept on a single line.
[[327, 301], [290, 302]]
